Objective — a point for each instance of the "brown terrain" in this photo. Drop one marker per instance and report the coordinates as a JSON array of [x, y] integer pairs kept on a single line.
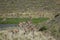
[[47, 30]]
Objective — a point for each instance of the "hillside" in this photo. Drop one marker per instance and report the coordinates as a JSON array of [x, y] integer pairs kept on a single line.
[[30, 19], [26, 5], [18, 8]]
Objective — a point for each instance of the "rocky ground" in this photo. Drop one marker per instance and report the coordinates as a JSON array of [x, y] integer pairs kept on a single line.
[[36, 35], [25, 31]]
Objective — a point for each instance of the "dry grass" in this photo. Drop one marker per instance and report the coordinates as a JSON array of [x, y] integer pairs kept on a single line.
[[28, 36]]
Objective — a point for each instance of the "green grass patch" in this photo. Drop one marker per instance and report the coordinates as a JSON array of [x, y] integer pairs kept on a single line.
[[39, 20], [17, 20]]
